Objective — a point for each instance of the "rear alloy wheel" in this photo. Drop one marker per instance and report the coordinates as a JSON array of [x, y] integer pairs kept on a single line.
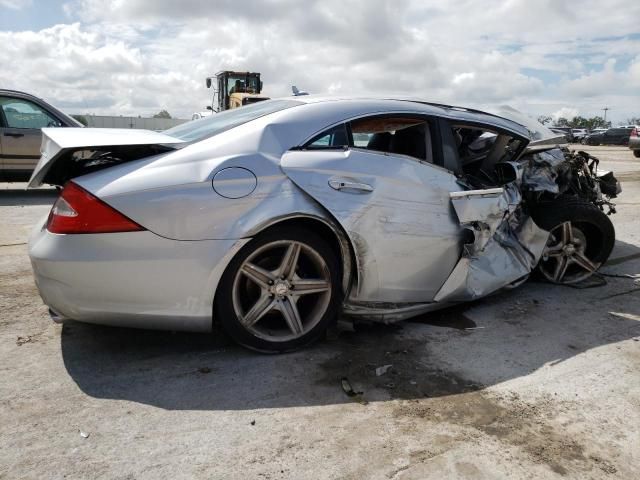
[[580, 241], [280, 292]]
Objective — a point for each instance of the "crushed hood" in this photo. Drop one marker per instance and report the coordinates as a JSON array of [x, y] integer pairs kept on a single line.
[[540, 137], [70, 152]]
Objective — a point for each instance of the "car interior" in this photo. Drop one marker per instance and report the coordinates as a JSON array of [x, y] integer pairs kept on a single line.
[[475, 151]]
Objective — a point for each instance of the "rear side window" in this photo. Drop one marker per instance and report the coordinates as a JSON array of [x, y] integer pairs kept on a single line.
[[335, 137], [219, 122]]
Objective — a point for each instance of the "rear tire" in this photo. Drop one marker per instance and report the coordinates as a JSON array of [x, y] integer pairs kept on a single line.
[[636, 153], [581, 240], [280, 292]]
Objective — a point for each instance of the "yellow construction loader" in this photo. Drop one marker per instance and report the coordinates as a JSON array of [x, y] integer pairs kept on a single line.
[[235, 89]]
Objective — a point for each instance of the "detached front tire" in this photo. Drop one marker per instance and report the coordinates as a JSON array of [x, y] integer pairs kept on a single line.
[[280, 292], [580, 241]]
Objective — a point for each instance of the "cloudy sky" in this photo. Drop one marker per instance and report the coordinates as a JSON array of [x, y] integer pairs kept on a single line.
[[125, 57]]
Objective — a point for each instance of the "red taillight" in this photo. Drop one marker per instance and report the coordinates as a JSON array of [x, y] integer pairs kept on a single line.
[[634, 132], [77, 211]]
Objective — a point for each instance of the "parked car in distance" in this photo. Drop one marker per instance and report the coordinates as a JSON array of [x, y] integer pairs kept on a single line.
[[21, 117], [611, 136], [566, 131], [634, 141], [579, 133]]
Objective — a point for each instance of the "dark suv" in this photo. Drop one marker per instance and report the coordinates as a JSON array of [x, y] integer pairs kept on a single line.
[[612, 136], [21, 118]]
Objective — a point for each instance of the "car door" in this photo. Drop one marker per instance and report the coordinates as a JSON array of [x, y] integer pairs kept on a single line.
[[394, 207], [21, 135]]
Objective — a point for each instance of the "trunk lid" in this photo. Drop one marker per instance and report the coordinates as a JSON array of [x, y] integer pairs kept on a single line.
[[71, 152]]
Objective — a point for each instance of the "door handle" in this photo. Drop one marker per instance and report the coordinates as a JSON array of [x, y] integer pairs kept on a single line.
[[15, 135], [337, 184]]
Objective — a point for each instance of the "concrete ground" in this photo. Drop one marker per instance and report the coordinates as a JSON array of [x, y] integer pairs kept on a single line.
[[538, 382]]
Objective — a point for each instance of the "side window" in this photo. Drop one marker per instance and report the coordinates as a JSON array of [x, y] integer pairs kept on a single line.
[[401, 135], [335, 137], [480, 149], [20, 113]]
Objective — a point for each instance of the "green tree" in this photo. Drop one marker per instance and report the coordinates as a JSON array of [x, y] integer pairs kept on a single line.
[[162, 114], [582, 122], [544, 119], [81, 118]]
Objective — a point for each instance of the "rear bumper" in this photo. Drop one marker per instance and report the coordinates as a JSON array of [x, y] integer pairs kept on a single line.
[[132, 279]]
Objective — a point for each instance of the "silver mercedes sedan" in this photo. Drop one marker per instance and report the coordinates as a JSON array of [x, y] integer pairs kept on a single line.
[[273, 219]]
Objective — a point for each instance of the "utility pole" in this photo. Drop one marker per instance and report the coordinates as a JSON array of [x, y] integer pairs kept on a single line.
[[605, 109]]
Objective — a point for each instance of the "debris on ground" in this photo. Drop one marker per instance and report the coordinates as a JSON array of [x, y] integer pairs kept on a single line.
[[253, 422], [204, 370], [348, 389], [84, 434], [382, 370], [22, 340]]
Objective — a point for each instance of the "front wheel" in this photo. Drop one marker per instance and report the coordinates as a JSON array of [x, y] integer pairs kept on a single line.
[[280, 292], [580, 241]]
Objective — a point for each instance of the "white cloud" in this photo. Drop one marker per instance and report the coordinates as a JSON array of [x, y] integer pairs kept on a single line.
[[565, 112], [136, 57], [15, 4], [462, 77]]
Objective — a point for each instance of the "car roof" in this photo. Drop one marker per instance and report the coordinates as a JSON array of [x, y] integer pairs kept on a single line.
[[436, 107], [396, 102]]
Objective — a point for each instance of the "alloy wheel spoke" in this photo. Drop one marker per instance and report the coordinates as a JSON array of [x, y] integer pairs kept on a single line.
[[291, 315], [307, 286], [263, 305], [561, 268], [567, 233], [289, 261], [582, 260], [259, 275]]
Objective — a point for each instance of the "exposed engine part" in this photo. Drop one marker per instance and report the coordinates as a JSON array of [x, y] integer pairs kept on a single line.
[[561, 171]]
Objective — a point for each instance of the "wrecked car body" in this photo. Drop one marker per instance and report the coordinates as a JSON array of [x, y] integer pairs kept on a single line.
[[273, 218]]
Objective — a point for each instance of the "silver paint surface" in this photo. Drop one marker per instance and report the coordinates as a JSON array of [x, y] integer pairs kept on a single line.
[[234, 182], [394, 218]]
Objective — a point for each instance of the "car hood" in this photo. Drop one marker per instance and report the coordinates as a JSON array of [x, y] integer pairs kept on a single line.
[[59, 162], [541, 137]]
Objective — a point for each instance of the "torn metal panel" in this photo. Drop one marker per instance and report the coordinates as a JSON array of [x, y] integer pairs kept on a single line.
[[510, 255], [506, 244], [483, 211]]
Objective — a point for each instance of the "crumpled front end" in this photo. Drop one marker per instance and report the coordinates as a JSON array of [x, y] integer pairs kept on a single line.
[[562, 171], [504, 243]]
